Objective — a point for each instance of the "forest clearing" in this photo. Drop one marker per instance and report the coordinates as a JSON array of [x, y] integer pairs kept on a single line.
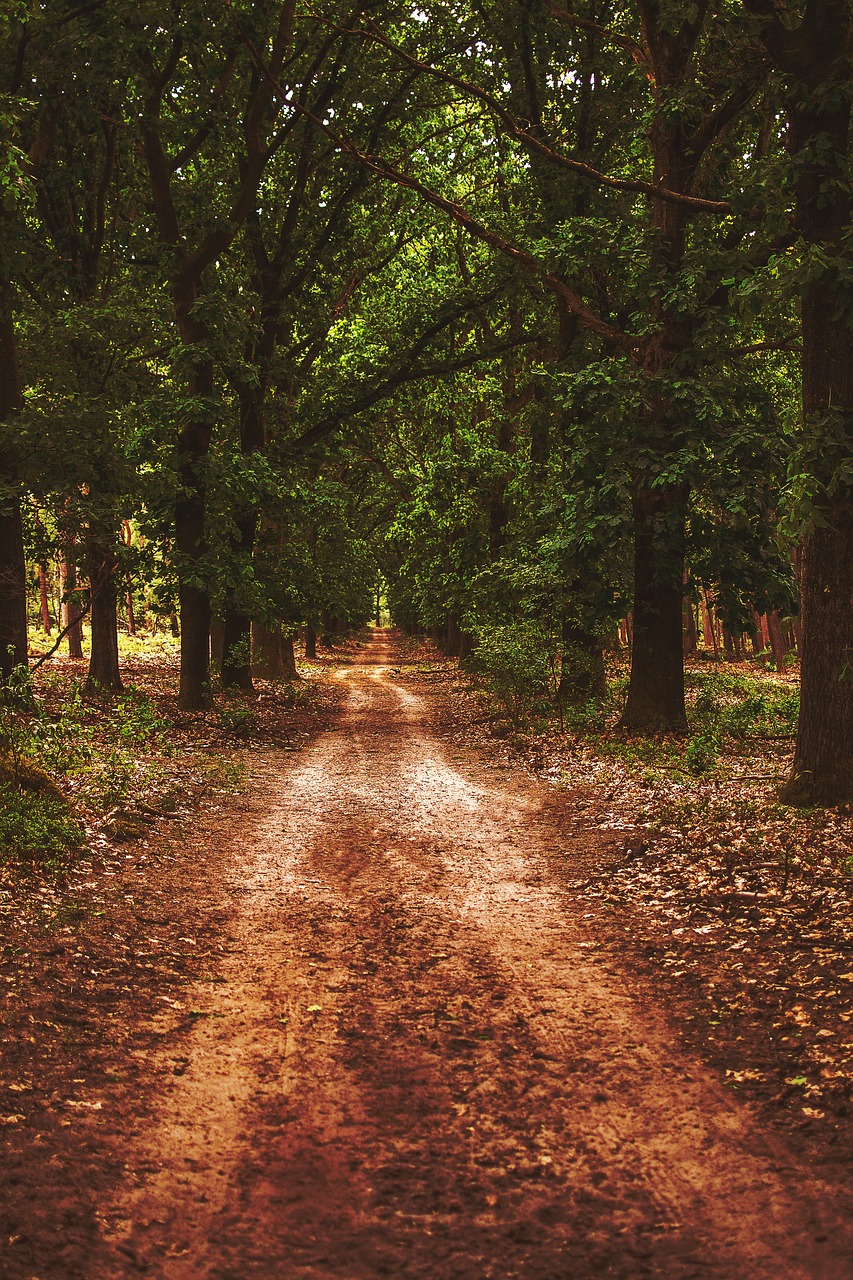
[[426, 600]]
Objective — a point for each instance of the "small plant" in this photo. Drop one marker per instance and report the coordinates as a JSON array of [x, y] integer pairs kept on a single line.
[[703, 751], [139, 720], [237, 718], [112, 779]]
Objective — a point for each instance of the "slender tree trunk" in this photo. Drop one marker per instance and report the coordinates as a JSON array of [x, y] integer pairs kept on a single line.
[[656, 690], [310, 640], [822, 771], [13, 582], [777, 643], [104, 676], [453, 641], [217, 642], [691, 634], [70, 608], [756, 638], [44, 603]]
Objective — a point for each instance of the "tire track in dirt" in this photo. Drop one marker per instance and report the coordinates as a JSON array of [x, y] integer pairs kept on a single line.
[[416, 1066]]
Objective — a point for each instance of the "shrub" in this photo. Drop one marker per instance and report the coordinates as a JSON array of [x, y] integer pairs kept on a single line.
[[35, 826], [513, 661], [702, 753]]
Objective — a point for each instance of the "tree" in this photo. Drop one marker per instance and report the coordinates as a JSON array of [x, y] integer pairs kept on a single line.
[[815, 58]]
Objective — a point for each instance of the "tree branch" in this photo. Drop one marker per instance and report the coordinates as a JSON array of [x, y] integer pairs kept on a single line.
[[536, 144]]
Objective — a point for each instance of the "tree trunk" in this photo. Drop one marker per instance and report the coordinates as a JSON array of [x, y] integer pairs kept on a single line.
[[217, 642], [44, 605], [777, 643], [453, 641], [191, 546], [823, 760], [815, 59], [582, 667], [656, 690], [237, 652], [690, 641], [310, 641], [467, 645], [104, 676], [131, 616], [272, 653], [13, 581], [70, 608]]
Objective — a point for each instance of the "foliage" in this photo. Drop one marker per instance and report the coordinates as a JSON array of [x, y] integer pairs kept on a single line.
[[514, 665], [36, 827]]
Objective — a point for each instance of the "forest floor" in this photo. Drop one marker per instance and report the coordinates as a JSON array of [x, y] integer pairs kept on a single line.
[[399, 1008]]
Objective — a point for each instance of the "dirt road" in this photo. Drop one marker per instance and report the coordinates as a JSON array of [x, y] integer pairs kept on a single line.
[[413, 1065]]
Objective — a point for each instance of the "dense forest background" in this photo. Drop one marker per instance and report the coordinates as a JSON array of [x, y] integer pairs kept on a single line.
[[537, 323]]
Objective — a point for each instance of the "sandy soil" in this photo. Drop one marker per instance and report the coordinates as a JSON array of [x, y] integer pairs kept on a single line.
[[405, 1057]]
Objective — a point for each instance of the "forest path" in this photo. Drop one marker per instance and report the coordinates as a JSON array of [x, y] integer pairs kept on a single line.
[[412, 1064]]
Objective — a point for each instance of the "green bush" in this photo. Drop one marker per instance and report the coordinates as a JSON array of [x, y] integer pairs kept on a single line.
[[702, 753], [513, 662], [35, 827]]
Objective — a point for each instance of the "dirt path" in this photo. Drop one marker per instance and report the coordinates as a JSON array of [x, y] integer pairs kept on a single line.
[[413, 1065]]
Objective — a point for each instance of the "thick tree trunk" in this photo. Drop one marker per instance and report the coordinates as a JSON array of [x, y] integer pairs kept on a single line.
[[453, 641], [191, 546], [13, 582], [816, 61], [272, 653], [656, 690], [823, 760], [104, 676], [310, 640]]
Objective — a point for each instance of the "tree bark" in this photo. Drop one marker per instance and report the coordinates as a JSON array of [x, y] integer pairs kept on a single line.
[[13, 581], [272, 653], [191, 545], [44, 604], [690, 641], [777, 643], [656, 691], [453, 636], [104, 676], [310, 640], [70, 608], [237, 652], [815, 60]]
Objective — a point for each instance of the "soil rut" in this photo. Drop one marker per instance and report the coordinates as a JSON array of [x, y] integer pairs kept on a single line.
[[416, 1066]]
